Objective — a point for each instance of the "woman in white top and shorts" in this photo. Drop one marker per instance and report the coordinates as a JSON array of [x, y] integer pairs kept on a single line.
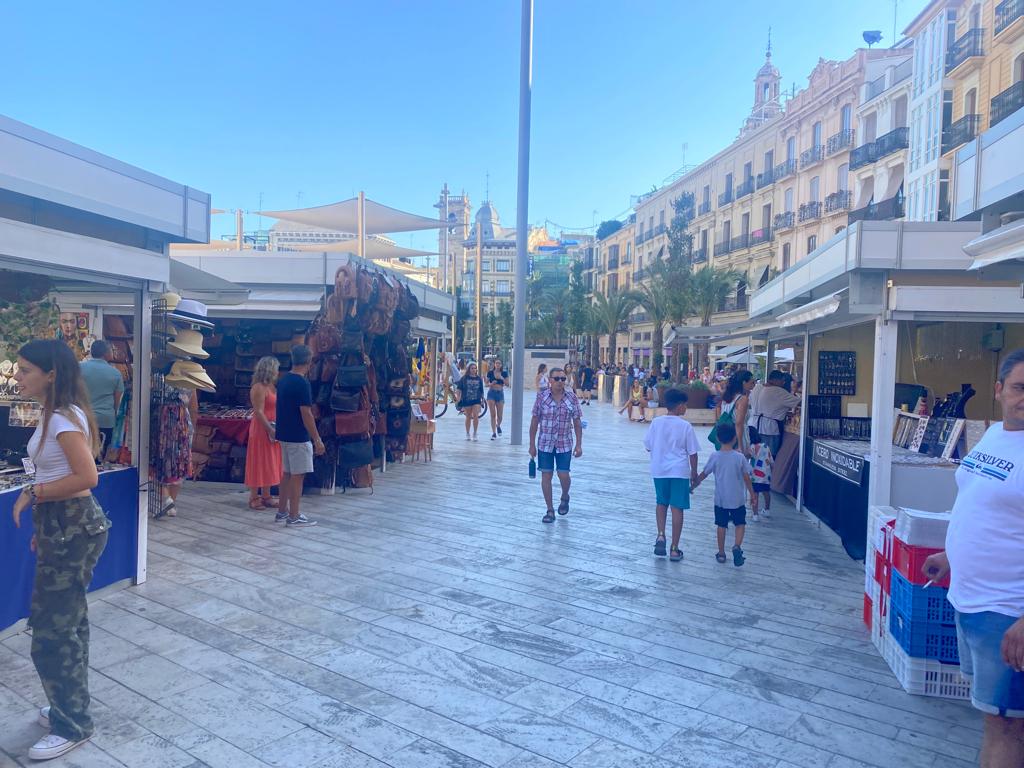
[[70, 535]]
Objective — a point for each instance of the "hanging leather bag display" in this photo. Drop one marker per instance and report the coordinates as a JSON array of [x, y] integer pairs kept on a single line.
[[351, 377], [346, 402], [348, 424], [358, 453], [398, 423]]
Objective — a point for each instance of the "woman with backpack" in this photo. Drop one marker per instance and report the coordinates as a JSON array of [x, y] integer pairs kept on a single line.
[[735, 406]]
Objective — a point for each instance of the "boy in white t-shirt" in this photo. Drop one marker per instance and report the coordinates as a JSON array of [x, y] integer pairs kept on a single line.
[[673, 447]]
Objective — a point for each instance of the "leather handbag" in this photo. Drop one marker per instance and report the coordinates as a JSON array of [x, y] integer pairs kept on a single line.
[[351, 341], [398, 402], [398, 423], [351, 377], [346, 402], [348, 424], [398, 386], [358, 453]]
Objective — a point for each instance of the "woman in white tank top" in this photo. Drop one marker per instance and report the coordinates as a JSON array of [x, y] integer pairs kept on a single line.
[[70, 535]]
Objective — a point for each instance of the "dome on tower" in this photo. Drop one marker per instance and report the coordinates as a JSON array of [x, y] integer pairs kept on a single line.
[[768, 70], [487, 218]]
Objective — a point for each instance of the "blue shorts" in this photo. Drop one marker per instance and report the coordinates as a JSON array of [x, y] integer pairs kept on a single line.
[[672, 492], [547, 461], [995, 687], [496, 395]]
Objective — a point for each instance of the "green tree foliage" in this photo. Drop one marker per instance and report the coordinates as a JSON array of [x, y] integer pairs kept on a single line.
[[609, 227], [576, 302], [503, 326], [610, 314]]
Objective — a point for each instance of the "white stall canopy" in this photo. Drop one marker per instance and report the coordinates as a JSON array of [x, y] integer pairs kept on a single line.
[[344, 217]]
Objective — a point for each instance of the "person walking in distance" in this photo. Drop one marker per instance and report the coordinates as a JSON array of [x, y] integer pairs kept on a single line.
[[497, 379], [295, 430], [732, 476], [470, 386], [673, 446], [556, 416], [105, 386], [70, 535], [984, 559], [540, 381], [587, 377]]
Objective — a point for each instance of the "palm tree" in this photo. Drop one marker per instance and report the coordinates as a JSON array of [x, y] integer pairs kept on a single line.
[[611, 312], [710, 287], [657, 300]]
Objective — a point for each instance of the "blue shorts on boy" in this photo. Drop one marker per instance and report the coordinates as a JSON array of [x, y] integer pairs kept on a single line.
[[671, 441]]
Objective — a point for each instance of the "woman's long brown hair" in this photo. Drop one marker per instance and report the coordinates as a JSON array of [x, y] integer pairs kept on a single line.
[[67, 388]]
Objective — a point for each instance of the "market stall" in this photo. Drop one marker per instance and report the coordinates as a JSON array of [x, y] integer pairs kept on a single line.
[[85, 274]]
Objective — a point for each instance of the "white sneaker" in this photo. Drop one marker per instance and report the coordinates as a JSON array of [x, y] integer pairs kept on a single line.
[[468, 438], [755, 518], [766, 514], [51, 746], [44, 717], [474, 438]]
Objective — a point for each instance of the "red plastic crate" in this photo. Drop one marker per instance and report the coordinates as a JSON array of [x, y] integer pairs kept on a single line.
[[908, 561], [868, 610], [883, 572]]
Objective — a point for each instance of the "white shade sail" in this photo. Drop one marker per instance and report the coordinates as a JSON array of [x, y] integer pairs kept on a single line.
[[374, 249], [343, 217]]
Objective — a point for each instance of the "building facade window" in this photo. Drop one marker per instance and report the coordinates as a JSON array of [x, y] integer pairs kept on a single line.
[[791, 148], [785, 257], [789, 200], [504, 288], [846, 117], [812, 243], [816, 135], [661, 218], [815, 189], [843, 178], [502, 265]]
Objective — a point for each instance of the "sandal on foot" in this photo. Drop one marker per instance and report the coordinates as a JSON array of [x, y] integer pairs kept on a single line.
[[720, 557], [563, 506], [270, 502], [659, 546], [676, 555], [257, 503], [737, 557], [549, 516]]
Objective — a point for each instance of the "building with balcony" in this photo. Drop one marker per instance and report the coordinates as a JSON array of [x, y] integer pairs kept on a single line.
[[878, 164], [458, 212], [497, 259], [985, 68], [615, 270]]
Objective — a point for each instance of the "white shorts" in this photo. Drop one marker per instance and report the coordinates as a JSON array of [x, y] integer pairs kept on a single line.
[[297, 458]]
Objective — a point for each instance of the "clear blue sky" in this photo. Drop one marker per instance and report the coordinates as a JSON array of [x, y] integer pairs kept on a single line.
[[313, 100]]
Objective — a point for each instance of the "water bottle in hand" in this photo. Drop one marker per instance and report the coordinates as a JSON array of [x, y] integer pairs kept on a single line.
[[533, 468]]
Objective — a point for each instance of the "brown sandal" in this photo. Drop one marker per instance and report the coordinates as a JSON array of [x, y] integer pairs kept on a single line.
[[256, 503], [269, 502]]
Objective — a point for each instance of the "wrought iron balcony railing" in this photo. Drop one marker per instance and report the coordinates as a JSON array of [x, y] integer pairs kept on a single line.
[[809, 211], [840, 141], [811, 156], [765, 178], [1008, 12], [893, 141], [784, 169], [863, 155], [700, 256], [1007, 102], [762, 235], [838, 201], [723, 247], [704, 208], [965, 47], [960, 132], [725, 198], [740, 241], [886, 210], [784, 221], [745, 188]]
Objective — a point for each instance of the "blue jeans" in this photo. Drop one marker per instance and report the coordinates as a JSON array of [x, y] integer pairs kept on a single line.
[[995, 687]]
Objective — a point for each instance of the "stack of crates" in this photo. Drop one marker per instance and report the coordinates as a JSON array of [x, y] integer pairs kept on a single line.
[[912, 626]]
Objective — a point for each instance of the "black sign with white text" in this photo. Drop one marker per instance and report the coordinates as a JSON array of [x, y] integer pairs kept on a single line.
[[839, 463]]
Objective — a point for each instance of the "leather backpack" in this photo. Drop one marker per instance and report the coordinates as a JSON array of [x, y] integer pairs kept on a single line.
[[346, 281]]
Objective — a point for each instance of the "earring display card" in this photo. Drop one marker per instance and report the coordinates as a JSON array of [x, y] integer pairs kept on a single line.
[[837, 373]]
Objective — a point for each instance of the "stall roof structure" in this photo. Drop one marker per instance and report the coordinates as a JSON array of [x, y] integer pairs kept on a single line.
[[344, 217]]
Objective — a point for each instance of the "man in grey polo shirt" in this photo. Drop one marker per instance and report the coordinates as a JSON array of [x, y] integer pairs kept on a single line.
[[105, 386]]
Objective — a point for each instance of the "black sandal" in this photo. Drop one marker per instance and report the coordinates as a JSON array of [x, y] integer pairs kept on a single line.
[[563, 506], [549, 516], [720, 557], [659, 546], [676, 555]]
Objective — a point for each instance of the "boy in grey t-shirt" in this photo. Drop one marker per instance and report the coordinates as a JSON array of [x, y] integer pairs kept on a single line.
[[732, 477]]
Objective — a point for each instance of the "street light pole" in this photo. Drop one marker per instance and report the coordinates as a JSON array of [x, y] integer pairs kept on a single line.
[[522, 220]]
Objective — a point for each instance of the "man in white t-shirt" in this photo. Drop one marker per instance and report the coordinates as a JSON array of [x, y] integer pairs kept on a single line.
[[769, 404], [985, 559]]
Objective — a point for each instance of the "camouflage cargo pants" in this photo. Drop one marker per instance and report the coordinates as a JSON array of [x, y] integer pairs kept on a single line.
[[70, 537]]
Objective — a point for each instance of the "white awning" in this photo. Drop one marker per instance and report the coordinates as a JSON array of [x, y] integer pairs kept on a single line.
[[741, 358], [1000, 245], [374, 249], [895, 182], [867, 189], [815, 310], [194, 283], [726, 351], [343, 217], [781, 355]]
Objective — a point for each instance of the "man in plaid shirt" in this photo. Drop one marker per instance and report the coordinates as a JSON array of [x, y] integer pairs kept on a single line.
[[556, 415]]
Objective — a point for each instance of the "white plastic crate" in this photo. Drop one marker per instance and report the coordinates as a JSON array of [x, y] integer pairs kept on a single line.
[[923, 677], [873, 590], [922, 529], [877, 519]]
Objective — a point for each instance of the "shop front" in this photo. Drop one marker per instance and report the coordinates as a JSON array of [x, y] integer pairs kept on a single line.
[[84, 243]]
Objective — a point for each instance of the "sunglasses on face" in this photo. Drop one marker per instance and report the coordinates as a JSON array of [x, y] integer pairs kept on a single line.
[[558, 378]]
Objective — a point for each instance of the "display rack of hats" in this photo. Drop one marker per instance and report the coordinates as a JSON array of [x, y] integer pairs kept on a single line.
[[178, 326], [360, 376]]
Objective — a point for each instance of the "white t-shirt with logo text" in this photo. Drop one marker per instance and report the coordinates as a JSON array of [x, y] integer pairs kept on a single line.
[[985, 540]]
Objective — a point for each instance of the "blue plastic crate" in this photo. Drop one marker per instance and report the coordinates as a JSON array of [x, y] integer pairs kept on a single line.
[[919, 603], [924, 639]]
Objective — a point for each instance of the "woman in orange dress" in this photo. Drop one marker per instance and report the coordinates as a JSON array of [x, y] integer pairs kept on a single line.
[[263, 458]]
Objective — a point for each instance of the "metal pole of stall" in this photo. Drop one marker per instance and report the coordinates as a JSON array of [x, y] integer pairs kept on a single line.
[[140, 415], [802, 462], [522, 220], [478, 304]]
